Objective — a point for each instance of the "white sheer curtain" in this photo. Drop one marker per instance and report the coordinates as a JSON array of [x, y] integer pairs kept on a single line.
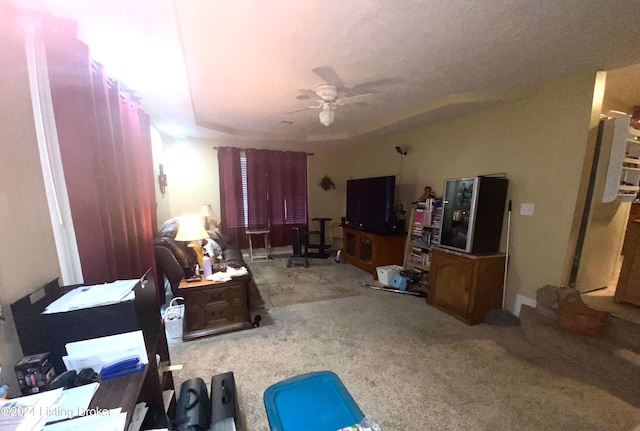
[[50, 160]]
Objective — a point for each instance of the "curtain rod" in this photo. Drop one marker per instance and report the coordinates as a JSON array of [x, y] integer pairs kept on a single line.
[[308, 154]]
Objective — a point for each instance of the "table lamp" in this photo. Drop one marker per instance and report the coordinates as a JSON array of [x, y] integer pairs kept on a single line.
[[206, 211], [191, 229]]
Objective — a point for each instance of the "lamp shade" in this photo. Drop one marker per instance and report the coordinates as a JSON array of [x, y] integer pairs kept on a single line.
[[206, 211], [191, 229]]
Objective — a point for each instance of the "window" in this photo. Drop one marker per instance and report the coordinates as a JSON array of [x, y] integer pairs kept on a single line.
[[263, 189]]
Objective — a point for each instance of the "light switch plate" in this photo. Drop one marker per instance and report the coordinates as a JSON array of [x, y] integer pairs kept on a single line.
[[526, 209]]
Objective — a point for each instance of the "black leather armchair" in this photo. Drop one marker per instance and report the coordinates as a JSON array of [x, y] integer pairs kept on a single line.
[[174, 261]]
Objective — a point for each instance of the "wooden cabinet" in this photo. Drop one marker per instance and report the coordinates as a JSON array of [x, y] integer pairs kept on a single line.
[[215, 307], [466, 286], [367, 251], [628, 288]]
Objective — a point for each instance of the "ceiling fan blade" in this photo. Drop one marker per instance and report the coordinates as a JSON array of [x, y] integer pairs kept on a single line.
[[310, 94], [355, 99], [304, 109], [368, 86], [328, 75]]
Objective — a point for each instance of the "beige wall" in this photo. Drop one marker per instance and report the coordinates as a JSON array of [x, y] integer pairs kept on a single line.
[[28, 257], [538, 142]]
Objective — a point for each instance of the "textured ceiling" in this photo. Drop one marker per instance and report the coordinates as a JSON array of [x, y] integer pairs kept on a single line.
[[233, 68]]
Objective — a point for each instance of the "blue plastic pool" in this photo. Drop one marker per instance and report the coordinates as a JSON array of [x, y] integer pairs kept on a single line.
[[311, 402]]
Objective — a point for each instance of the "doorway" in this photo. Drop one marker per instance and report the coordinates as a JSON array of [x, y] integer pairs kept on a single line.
[[610, 222], [603, 298]]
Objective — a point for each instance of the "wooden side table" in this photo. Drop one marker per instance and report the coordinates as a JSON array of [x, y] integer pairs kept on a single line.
[[214, 307], [265, 232]]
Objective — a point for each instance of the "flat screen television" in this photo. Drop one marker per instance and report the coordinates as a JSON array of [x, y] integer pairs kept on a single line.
[[370, 204]]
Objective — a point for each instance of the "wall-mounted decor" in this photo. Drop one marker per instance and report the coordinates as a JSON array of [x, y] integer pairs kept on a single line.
[[162, 180], [326, 183]]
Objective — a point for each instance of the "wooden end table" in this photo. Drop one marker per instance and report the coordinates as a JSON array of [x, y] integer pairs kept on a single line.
[[214, 307]]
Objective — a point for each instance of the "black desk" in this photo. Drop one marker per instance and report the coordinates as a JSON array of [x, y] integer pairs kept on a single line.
[[50, 332]]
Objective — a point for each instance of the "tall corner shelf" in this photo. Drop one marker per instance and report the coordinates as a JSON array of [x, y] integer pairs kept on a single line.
[[423, 233], [623, 173]]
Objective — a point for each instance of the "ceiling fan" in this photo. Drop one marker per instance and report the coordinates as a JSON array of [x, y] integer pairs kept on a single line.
[[327, 97]]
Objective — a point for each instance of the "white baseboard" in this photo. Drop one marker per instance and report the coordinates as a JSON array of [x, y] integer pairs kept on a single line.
[[520, 300]]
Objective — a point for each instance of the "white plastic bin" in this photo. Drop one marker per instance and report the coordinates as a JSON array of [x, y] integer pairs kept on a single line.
[[386, 273]]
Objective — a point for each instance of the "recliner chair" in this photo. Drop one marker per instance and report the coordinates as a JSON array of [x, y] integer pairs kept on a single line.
[[174, 260]]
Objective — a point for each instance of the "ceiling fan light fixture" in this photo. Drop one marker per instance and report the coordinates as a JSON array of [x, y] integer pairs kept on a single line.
[[327, 116]]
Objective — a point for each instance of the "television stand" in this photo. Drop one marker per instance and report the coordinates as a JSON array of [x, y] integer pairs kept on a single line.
[[368, 251], [319, 249]]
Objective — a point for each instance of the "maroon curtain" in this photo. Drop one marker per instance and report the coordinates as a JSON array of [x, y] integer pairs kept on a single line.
[[258, 205], [105, 146], [231, 196], [287, 172], [275, 196]]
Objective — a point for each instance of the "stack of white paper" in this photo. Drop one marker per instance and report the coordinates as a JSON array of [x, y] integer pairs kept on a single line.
[[219, 277], [30, 412], [75, 402], [236, 272], [137, 417], [105, 420], [93, 296], [226, 276], [97, 352]]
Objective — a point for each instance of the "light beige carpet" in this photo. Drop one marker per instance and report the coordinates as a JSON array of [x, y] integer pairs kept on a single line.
[[280, 286], [413, 367]]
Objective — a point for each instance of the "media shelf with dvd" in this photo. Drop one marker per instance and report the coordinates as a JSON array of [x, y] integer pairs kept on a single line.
[[424, 233]]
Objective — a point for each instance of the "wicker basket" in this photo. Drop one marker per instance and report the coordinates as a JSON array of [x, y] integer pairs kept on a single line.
[[576, 317]]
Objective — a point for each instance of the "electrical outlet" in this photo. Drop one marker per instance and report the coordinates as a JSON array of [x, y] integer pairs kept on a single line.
[[526, 209]]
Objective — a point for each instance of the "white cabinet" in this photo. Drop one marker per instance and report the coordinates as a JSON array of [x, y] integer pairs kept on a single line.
[[623, 173], [631, 167]]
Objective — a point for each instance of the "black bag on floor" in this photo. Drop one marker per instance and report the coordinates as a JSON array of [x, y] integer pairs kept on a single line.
[[194, 407], [224, 400]]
